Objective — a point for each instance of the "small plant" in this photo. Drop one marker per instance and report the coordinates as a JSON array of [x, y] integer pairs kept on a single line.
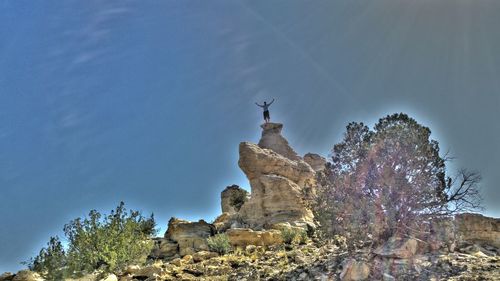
[[302, 236], [219, 243], [288, 235]]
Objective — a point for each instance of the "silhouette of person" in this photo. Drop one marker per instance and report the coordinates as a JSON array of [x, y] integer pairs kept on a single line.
[[265, 107]]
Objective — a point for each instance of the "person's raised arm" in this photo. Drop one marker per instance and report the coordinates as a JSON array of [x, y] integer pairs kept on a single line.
[[259, 105], [271, 102]]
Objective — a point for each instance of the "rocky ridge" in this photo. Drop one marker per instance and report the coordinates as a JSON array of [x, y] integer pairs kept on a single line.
[[464, 247]]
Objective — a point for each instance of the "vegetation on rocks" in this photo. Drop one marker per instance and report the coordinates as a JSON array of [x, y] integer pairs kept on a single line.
[[105, 242], [291, 235], [382, 211], [219, 243]]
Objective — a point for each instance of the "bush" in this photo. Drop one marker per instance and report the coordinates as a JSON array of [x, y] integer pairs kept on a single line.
[[51, 261], [302, 237], [288, 235], [219, 243], [107, 242]]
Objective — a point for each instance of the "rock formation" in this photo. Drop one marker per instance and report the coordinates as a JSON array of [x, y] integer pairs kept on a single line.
[[280, 182], [317, 162], [272, 139], [244, 237], [232, 198], [164, 248], [478, 228], [190, 236]]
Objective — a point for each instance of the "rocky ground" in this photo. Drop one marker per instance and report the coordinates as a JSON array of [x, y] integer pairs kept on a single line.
[[315, 261], [311, 261]]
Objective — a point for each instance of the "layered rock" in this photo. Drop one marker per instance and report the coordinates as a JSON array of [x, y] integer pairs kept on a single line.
[[190, 236], [256, 161], [244, 236], [232, 198], [272, 139], [280, 181], [317, 162], [478, 228], [164, 248]]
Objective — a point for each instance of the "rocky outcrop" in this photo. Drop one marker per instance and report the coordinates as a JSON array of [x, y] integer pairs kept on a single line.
[[317, 162], [256, 161], [6, 276], [398, 248], [355, 271], [244, 236], [190, 236], [272, 139], [478, 229], [280, 182], [164, 248], [232, 198]]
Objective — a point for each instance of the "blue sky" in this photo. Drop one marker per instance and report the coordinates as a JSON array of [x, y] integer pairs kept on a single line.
[[146, 101]]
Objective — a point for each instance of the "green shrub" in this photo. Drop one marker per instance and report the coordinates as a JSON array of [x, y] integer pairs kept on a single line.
[[288, 235], [302, 237], [51, 261], [98, 241], [219, 243]]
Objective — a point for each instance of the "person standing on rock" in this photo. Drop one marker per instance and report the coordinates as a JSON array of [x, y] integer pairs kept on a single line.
[[265, 107]]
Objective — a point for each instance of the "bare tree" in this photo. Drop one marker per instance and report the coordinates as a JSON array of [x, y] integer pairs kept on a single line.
[[463, 192]]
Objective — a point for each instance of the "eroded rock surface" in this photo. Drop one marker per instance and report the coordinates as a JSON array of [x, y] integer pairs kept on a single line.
[[355, 271], [256, 161], [272, 139], [246, 236], [164, 249], [190, 236], [280, 184], [316, 161], [478, 228]]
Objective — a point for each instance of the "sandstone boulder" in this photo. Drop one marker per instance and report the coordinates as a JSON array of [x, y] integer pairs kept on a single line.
[[232, 198], [478, 229], [190, 236], [256, 161], [150, 271], [276, 199], [317, 162], [272, 139], [132, 269], [203, 255], [245, 236], [355, 271], [164, 248], [401, 248], [110, 277], [279, 187]]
